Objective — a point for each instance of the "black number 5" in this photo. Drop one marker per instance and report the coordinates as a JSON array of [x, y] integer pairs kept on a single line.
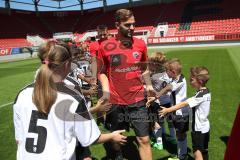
[[40, 130]]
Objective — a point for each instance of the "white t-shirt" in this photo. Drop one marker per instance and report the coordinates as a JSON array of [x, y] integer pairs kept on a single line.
[[52, 136], [179, 93], [84, 68], [74, 74], [76, 84], [159, 81], [200, 104], [73, 80]]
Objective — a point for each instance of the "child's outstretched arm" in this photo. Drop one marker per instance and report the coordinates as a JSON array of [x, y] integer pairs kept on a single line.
[[164, 110], [115, 136], [164, 90]]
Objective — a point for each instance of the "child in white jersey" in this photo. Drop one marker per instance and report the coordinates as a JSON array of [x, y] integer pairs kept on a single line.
[[200, 104], [179, 94], [160, 79], [178, 87], [48, 113]]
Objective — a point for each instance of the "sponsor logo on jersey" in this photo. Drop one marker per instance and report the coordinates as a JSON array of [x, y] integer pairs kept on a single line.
[[115, 60], [125, 70], [135, 55]]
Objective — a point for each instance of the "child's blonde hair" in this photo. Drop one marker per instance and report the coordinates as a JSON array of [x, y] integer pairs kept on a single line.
[[158, 56], [174, 64], [53, 57], [201, 74], [157, 60]]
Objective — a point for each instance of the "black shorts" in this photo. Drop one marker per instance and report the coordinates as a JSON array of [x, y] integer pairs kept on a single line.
[[121, 116], [154, 116], [181, 123], [82, 152], [200, 141]]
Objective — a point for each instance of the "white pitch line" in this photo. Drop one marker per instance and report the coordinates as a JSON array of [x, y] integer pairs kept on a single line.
[[4, 105]]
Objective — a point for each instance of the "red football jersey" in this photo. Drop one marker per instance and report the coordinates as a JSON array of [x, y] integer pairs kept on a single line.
[[94, 47], [119, 64]]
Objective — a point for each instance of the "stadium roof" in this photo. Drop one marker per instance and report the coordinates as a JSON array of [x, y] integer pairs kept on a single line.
[[58, 5]]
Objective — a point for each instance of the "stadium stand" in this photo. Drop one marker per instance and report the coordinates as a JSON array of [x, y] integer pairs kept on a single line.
[[208, 27], [14, 43], [208, 17]]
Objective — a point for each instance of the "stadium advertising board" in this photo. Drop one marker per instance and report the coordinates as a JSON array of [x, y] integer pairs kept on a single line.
[[13, 51], [156, 40], [16, 51], [5, 51]]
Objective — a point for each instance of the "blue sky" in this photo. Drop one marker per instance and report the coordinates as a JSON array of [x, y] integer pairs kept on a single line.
[[55, 4]]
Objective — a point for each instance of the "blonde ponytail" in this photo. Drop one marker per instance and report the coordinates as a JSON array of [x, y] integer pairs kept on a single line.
[[44, 93], [53, 57]]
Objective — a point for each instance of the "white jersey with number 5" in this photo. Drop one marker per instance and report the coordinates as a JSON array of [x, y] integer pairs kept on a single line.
[[54, 135]]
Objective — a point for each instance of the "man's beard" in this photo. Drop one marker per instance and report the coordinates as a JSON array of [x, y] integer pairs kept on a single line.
[[126, 33], [129, 34]]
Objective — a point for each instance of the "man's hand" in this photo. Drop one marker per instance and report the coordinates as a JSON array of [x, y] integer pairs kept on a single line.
[[150, 91], [103, 106], [149, 101], [151, 95]]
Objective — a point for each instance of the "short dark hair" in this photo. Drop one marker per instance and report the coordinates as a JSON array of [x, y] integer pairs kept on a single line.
[[123, 15]]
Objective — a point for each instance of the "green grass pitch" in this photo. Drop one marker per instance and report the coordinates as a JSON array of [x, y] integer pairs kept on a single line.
[[222, 62]]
